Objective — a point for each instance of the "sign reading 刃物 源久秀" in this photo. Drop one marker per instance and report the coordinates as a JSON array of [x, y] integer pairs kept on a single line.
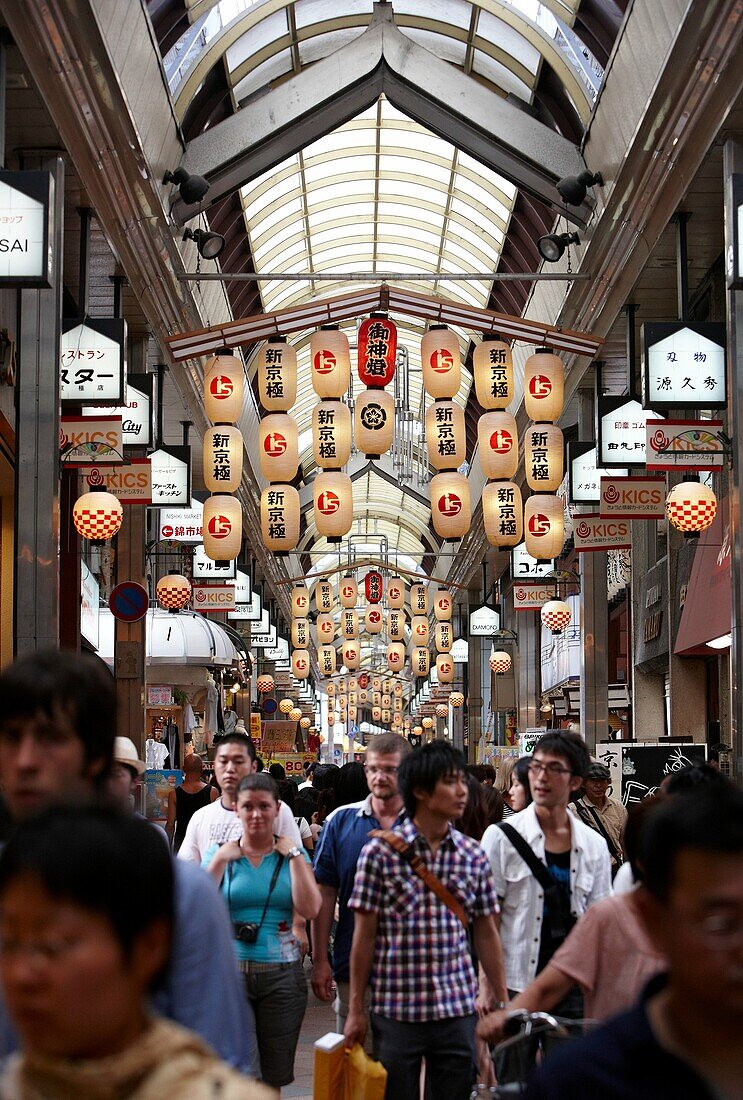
[[632, 498], [684, 365]]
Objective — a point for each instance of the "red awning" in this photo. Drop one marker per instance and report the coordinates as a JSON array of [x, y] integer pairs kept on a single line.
[[707, 609]]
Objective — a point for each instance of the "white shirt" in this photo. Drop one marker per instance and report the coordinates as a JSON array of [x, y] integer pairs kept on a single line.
[[214, 824], [521, 896]]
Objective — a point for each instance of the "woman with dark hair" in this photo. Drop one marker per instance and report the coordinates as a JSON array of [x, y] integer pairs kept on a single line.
[[350, 785], [86, 908], [288, 794], [265, 879], [519, 794], [474, 820]]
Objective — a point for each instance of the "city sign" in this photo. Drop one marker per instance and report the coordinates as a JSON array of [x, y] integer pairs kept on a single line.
[[632, 497], [593, 532], [135, 413], [26, 202], [92, 360], [684, 365], [685, 444]]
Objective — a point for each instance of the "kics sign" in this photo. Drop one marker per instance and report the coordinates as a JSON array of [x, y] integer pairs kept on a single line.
[[130, 483], [632, 498], [592, 532], [213, 597]]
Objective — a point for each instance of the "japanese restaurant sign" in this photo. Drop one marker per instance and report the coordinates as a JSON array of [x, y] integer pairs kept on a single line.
[[684, 365], [171, 477], [632, 497], [685, 444], [92, 360], [593, 532]]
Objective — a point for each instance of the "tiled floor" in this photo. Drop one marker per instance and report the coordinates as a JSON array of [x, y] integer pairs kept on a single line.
[[318, 1020]]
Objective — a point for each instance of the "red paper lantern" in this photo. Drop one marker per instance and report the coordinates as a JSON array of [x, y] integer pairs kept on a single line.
[[374, 587], [377, 351]]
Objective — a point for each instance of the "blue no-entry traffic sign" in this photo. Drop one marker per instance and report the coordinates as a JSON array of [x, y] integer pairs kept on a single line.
[[129, 602]]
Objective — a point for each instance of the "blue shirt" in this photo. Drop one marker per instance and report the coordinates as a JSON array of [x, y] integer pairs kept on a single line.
[[245, 889], [343, 835]]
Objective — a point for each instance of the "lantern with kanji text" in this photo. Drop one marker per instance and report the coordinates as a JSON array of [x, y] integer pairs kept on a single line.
[[440, 362], [502, 513], [280, 518], [543, 457], [349, 623], [492, 366], [374, 586], [326, 663], [222, 459], [443, 637], [277, 375], [300, 633], [331, 434], [418, 599], [420, 661], [377, 344], [395, 625], [324, 596], [445, 435]]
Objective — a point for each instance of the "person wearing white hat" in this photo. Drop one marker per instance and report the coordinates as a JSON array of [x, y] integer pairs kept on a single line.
[[126, 772]]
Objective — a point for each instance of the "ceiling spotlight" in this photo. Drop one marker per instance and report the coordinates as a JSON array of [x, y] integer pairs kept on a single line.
[[209, 244], [192, 188], [573, 188], [552, 246]]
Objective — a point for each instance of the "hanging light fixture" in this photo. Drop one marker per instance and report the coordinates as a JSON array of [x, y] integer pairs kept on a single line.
[[556, 615], [440, 362], [420, 661], [349, 623], [97, 515], [326, 664], [498, 445], [691, 507], [419, 630], [222, 458], [295, 714], [324, 596], [305, 723], [395, 656], [418, 731], [500, 662], [173, 592], [377, 351], [351, 651], [374, 586], [442, 710], [551, 246], [544, 526], [544, 386], [325, 627], [224, 383], [451, 507], [264, 684], [456, 699], [286, 706], [331, 720], [502, 513], [443, 605], [330, 690], [299, 601], [222, 526], [330, 362], [209, 245], [492, 366], [300, 664], [300, 633], [331, 434], [373, 620], [277, 375], [278, 447], [446, 439], [445, 668], [280, 513], [376, 714], [397, 689], [544, 464], [396, 593], [443, 637], [427, 722], [396, 625]]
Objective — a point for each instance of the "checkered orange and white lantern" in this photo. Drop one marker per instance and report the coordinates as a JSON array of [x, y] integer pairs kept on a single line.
[[264, 684], [427, 722], [456, 699], [556, 615], [295, 714], [286, 706], [500, 662], [442, 710], [173, 591], [97, 515], [691, 507], [305, 723]]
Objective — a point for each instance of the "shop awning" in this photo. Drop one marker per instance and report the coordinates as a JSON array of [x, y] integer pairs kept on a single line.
[[183, 639], [708, 606]]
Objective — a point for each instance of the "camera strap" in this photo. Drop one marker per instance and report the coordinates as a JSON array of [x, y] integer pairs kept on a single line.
[[272, 886]]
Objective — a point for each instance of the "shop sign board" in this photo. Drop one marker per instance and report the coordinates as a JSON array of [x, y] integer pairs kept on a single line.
[[251, 611], [182, 526], [92, 360], [528, 739], [484, 622], [644, 767], [594, 532], [621, 432], [278, 736], [131, 482], [585, 474], [157, 786], [268, 640], [632, 498], [530, 597], [89, 605], [26, 202], [205, 569], [158, 695], [255, 726], [685, 444], [171, 477], [85, 440], [526, 568], [279, 652], [460, 652], [293, 762], [684, 365], [135, 413], [213, 597]]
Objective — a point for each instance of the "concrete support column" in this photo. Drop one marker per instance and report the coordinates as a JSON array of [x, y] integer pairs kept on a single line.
[[529, 672], [594, 672], [473, 699], [36, 592]]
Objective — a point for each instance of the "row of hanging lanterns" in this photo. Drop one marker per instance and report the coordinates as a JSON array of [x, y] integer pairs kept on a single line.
[[330, 371], [278, 445], [451, 504], [222, 456]]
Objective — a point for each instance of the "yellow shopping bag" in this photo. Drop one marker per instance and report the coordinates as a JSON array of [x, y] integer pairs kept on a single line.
[[346, 1075], [363, 1078]]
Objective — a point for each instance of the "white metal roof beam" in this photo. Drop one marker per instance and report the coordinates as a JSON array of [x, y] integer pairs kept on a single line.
[[336, 89]]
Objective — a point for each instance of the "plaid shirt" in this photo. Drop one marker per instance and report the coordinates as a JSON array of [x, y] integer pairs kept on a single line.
[[422, 965]]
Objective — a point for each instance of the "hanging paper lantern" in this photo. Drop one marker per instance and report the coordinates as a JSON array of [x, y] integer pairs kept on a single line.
[[456, 699], [691, 507], [492, 366], [445, 668], [396, 593], [445, 435], [330, 690], [224, 382], [223, 527], [363, 697], [278, 447], [373, 620], [376, 714], [440, 361], [376, 698], [544, 526], [544, 386], [443, 637], [349, 624], [280, 518], [330, 362], [353, 684], [442, 710], [374, 586], [418, 599], [556, 615], [420, 661], [427, 722], [396, 721], [173, 591], [331, 434], [264, 685], [222, 459], [386, 701], [286, 706], [395, 656], [443, 605], [305, 723], [502, 513], [387, 685], [299, 601], [386, 717], [300, 664], [295, 714], [97, 515], [277, 375], [324, 596], [300, 633], [374, 422], [397, 704], [352, 712], [325, 626], [397, 689], [418, 731], [498, 445], [348, 592], [351, 652], [419, 630], [500, 662], [333, 500], [331, 720], [544, 463], [451, 509], [376, 683], [326, 664], [396, 625], [377, 343]]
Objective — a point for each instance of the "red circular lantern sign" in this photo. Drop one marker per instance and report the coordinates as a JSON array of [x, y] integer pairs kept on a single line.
[[328, 502], [373, 587], [449, 504], [377, 351], [221, 387], [324, 362]]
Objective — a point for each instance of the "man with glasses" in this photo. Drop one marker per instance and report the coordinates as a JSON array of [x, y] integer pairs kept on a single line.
[[684, 1037], [535, 920], [344, 834]]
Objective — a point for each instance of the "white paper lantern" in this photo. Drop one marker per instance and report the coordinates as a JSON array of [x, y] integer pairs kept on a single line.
[[376, 714], [278, 447], [299, 601], [374, 422], [456, 699], [418, 599], [419, 630], [173, 591], [222, 459], [691, 507], [330, 362], [544, 526], [223, 530], [544, 464], [97, 515], [373, 619], [397, 689], [443, 605], [498, 445], [300, 633], [325, 627], [348, 592], [396, 593], [280, 518], [395, 656], [396, 721], [333, 501], [264, 684], [349, 624], [331, 689], [418, 731], [352, 712], [397, 704], [395, 625], [386, 717], [445, 668], [502, 513], [544, 386], [351, 653], [331, 434], [500, 662], [420, 661], [556, 615], [386, 701], [326, 663], [224, 383], [451, 508], [446, 439], [443, 637], [440, 361], [277, 375], [387, 685], [324, 596], [300, 664], [376, 683], [492, 365], [331, 720]]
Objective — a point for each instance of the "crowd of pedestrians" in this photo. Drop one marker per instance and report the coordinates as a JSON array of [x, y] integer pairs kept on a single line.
[[433, 899]]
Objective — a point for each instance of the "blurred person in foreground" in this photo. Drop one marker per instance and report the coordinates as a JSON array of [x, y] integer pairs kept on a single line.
[[683, 1039], [81, 950]]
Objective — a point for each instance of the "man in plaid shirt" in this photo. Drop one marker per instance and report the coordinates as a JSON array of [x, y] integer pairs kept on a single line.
[[413, 947]]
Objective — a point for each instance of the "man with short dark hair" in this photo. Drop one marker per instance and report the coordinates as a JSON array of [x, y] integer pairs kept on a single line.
[[599, 811], [684, 1037], [410, 936], [57, 737]]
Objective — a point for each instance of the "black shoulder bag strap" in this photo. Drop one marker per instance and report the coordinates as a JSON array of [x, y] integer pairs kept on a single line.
[[589, 817], [552, 892], [272, 885]]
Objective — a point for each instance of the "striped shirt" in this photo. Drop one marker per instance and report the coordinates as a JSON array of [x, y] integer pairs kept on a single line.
[[422, 967]]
